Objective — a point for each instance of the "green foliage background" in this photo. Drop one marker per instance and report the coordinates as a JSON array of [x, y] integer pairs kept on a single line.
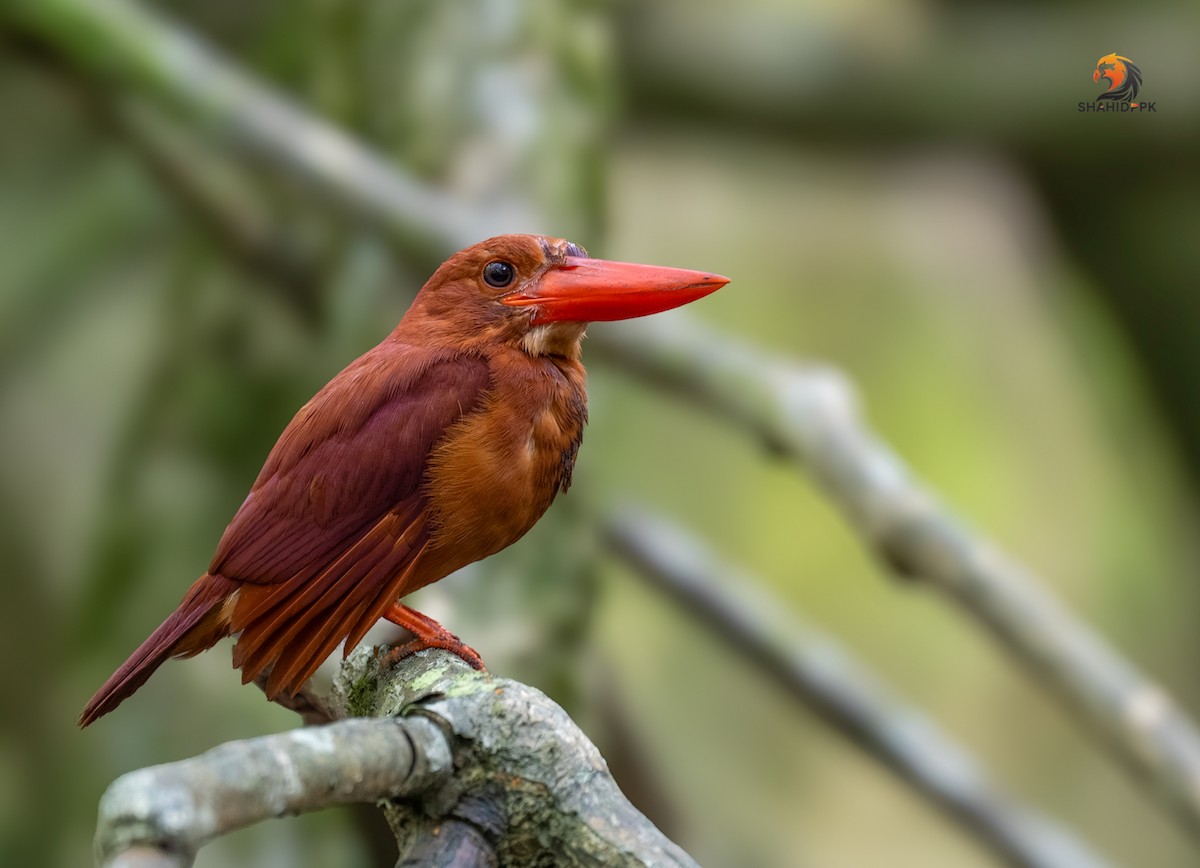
[[903, 190]]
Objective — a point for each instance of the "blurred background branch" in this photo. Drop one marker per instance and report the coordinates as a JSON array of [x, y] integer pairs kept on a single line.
[[216, 199], [824, 677], [130, 48], [496, 113], [811, 418]]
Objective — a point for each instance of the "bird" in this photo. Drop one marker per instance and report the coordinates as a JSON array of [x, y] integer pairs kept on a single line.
[[438, 447]]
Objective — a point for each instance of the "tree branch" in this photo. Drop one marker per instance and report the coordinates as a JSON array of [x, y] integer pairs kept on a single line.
[[475, 770], [516, 752], [168, 812], [809, 416], [826, 679], [312, 708]]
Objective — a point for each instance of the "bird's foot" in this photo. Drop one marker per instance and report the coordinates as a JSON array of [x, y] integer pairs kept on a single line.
[[427, 633], [465, 652]]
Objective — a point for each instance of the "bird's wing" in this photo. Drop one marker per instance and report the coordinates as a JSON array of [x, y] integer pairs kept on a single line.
[[350, 456], [338, 512]]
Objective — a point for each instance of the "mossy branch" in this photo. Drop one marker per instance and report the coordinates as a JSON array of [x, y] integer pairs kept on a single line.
[[467, 767]]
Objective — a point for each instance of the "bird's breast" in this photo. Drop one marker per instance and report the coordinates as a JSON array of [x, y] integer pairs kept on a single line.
[[499, 468]]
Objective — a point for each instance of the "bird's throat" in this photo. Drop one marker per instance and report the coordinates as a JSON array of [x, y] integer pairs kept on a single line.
[[554, 339]]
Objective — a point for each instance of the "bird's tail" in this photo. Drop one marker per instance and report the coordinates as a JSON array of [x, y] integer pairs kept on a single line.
[[196, 625]]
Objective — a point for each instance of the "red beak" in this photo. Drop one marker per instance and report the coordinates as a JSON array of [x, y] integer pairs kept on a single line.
[[591, 290]]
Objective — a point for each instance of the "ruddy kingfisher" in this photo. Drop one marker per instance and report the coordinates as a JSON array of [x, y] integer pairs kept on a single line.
[[440, 446]]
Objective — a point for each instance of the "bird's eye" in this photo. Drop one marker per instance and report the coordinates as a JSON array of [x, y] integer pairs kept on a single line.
[[499, 273]]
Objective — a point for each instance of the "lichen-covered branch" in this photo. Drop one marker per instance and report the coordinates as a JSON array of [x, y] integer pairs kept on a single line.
[[166, 813], [518, 756], [474, 770], [809, 416], [823, 676]]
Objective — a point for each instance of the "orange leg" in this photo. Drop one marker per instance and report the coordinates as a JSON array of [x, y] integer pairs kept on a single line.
[[427, 633]]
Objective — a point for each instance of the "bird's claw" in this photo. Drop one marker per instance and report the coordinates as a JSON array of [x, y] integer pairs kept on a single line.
[[392, 656]]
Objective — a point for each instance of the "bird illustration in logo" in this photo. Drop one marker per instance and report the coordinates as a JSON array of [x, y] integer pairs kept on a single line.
[[1124, 78]]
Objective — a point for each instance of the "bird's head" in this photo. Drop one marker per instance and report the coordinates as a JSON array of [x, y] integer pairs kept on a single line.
[[540, 293]]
